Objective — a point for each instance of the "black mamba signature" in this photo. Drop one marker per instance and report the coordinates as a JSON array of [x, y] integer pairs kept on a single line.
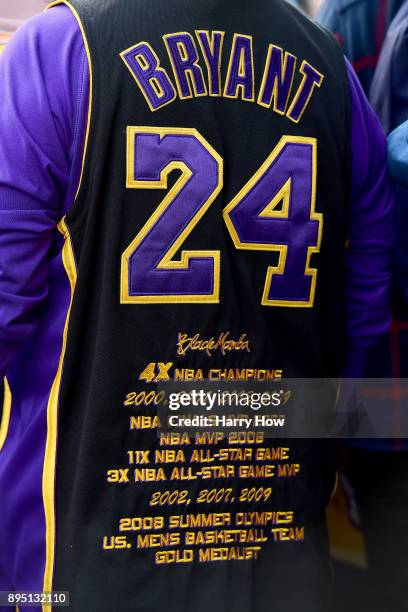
[[223, 343]]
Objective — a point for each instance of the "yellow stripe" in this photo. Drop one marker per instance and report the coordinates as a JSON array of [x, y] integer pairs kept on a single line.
[[52, 421], [5, 419], [88, 53]]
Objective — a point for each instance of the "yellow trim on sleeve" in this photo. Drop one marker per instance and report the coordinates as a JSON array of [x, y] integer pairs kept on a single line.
[[5, 419], [88, 54], [48, 482]]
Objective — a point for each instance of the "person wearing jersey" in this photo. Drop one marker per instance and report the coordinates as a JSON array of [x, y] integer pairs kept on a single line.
[[178, 181]]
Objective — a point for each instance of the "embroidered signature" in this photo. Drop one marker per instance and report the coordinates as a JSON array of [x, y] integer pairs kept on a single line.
[[223, 343]]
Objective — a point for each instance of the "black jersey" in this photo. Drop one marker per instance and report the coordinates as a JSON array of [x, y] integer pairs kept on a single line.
[[205, 244]]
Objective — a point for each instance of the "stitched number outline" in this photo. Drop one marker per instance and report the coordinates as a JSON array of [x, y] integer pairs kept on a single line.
[[149, 274], [295, 231], [254, 219]]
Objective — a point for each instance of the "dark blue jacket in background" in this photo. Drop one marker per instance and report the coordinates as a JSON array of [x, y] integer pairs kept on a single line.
[[360, 27], [389, 89]]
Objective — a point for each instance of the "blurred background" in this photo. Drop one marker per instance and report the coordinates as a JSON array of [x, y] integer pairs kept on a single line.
[[12, 14]]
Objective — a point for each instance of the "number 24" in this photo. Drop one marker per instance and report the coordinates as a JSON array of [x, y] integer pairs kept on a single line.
[[149, 272]]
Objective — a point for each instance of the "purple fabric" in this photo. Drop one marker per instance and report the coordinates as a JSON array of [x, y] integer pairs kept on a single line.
[[22, 519], [238, 86], [183, 65], [144, 74], [153, 153], [211, 49], [371, 233], [42, 134], [278, 78], [299, 232], [311, 79]]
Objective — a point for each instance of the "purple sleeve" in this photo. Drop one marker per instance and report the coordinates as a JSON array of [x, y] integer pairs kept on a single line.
[[43, 75], [371, 233]]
